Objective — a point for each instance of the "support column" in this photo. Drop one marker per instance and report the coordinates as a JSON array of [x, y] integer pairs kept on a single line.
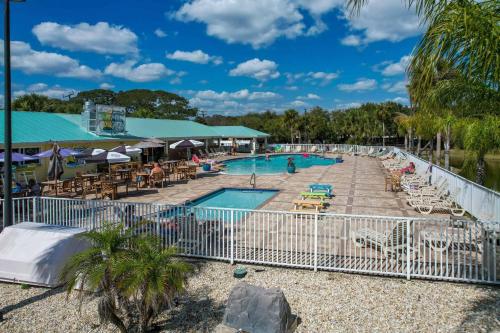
[[254, 146], [265, 144]]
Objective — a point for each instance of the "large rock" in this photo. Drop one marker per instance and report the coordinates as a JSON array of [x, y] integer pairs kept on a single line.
[[258, 310]]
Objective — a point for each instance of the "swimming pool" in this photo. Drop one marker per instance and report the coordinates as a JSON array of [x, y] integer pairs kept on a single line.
[[276, 164], [234, 198]]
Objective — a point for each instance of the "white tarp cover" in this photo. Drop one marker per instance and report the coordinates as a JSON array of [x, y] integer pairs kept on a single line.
[[34, 253]]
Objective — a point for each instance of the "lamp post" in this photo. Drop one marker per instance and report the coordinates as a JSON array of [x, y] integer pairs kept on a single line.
[[7, 183]]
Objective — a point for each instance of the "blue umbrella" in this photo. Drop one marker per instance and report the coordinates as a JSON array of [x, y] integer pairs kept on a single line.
[[64, 152], [17, 157]]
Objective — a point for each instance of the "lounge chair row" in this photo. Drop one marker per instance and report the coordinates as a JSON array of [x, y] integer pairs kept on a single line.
[[425, 197]]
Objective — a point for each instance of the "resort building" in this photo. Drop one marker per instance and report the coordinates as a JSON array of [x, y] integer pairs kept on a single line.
[[34, 132]]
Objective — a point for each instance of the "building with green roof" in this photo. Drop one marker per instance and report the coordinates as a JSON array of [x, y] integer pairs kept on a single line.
[[33, 132]]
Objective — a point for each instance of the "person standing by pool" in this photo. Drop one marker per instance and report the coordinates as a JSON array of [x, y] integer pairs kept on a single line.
[[267, 156]]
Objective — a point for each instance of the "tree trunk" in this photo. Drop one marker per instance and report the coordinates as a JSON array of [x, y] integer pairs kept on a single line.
[[383, 134], [431, 150], [447, 148], [419, 145], [410, 139], [291, 135], [481, 171], [406, 142], [438, 148]]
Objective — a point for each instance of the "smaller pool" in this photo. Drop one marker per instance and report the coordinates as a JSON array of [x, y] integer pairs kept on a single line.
[[234, 198]]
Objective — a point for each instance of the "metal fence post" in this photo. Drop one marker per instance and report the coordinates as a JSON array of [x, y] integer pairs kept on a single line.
[[409, 249], [232, 237], [92, 214], [34, 210], [315, 242]]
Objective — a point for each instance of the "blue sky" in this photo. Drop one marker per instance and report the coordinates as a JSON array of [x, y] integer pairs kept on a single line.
[[225, 56]]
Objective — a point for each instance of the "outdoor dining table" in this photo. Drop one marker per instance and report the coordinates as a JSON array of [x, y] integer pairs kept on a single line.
[[143, 176], [52, 184], [123, 172]]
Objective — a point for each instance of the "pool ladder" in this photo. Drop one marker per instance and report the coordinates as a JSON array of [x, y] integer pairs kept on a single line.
[[253, 180]]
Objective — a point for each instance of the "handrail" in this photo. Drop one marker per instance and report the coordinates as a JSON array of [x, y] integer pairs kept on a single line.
[[253, 180]]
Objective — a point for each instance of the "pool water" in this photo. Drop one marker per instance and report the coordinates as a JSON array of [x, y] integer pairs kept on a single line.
[[276, 164], [234, 198], [224, 198]]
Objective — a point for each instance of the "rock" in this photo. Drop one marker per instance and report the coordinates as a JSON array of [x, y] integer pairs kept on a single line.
[[258, 310]]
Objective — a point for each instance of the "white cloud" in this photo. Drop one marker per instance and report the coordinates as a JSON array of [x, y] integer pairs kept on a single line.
[[257, 22], [351, 40], [160, 33], [292, 88], [241, 101], [99, 38], [398, 87], [360, 85], [314, 78], [321, 78], [254, 22], [382, 20], [106, 86], [142, 73], [398, 67], [29, 61], [55, 91], [343, 106], [309, 96], [402, 100], [261, 70], [197, 56], [298, 104]]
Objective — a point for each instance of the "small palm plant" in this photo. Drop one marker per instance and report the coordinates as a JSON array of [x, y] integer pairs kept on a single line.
[[133, 277]]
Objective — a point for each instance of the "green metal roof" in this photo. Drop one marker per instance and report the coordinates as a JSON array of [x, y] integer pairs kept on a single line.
[[239, 132], [37, 127], [169, 129]]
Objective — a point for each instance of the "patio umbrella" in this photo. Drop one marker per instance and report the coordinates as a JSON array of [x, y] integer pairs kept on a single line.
[[64, 152], [183, 144], [101, 155], [148, 144], [17, 157], [55, 170], [127, 150]]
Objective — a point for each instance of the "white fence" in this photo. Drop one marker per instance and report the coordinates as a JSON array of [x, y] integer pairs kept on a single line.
[[443, 249], [479, 201]]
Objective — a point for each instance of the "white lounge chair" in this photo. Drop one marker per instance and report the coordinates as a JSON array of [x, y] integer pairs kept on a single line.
[[390, 243], [448, 204]]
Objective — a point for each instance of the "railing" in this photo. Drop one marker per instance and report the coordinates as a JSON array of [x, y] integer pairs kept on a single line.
[[443, 249], [479, 201]]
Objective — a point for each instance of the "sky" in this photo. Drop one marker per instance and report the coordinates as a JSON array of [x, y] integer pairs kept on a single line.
[[226, 56]]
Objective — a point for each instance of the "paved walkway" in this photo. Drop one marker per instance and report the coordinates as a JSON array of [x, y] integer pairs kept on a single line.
[[359, 188]]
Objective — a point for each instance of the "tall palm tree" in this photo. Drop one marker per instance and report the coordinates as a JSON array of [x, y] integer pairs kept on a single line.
[[464, 33], [482, 136], [291, 121]]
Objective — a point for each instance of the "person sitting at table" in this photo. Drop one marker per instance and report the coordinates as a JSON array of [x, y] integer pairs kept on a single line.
[[33, 188], [156, 169], [156, 175]]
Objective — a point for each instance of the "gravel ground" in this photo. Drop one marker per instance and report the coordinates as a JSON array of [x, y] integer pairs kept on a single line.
[[325, 302]]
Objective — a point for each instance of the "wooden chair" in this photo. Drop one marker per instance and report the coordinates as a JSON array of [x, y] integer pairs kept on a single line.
[[156, 178], [108, 190], [132, 181], [89, 188]]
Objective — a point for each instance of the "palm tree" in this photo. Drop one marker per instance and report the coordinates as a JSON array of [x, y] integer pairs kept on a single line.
[[383, 115], [151, 277], [291, 121], [135, 279], [482, 136], [463, 33]]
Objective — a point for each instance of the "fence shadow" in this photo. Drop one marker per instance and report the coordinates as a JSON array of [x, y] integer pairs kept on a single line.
[[483, 315], [33, 299]]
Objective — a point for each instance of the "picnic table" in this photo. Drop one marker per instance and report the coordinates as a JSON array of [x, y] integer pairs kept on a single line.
[[326, 188], [307, 203], [314, 195]]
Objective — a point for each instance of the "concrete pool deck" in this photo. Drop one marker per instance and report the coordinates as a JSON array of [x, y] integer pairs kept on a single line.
[[359, 188]]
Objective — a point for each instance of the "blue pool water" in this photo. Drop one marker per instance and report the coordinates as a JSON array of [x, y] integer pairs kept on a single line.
[[234, 198], [276, 164]]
